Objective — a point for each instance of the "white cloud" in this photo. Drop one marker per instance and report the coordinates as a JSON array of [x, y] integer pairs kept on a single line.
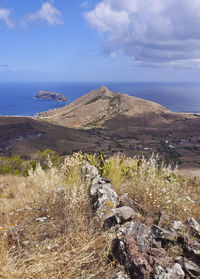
[[47, 13], [152, 32], [5, 17]]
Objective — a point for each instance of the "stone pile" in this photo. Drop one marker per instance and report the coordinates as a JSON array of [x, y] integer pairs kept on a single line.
[[145, 251]]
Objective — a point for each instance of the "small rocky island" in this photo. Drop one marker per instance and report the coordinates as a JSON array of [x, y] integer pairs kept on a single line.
[[46, 95]]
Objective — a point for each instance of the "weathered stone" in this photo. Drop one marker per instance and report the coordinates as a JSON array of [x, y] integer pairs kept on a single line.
[[120, 275], [160, 233], [194, 225], [139, 231], [192, 269], [41, 219], [168, 274], [177, 269], [91, 174], [94, 189], [160, 257], [136, 262], [176, 226], [123, 214], [124, 200], [175, 272], [105, 200], [191, 247]]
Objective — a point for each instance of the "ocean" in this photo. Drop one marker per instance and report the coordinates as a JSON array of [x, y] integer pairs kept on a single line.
[[16, 98]]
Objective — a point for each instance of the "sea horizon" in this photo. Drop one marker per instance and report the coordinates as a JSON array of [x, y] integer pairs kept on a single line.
[[17, 97]]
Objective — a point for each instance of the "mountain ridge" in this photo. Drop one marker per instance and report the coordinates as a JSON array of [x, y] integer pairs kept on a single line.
[[101, 106]]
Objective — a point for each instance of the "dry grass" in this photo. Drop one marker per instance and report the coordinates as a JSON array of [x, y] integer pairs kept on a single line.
[[65, 242], [47, 228], [155, 187]]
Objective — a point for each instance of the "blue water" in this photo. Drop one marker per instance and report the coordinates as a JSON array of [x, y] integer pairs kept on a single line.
[[16, 98]]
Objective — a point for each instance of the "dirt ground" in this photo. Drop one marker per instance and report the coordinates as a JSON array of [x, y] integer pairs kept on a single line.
[[189, 172]]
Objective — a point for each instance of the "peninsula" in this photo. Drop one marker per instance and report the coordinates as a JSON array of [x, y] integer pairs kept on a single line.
[[46, 95]]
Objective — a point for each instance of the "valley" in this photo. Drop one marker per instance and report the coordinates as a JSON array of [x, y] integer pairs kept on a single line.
[[107, 121]]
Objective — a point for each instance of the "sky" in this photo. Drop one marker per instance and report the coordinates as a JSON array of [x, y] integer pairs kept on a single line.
[[100, 40]]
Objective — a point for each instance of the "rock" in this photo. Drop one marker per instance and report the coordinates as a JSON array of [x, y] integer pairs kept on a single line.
[[136, 262], [104, 200], [191, 247], [160, 233], [46, 95], [176, 226], [26, 242], [94, 190], [176, 272], [120, 275], [160, 257], [123, 214], [92, 176], [168, 274], [192, 269], [194, 225], [41, 219], [139, 231], [177, 269], [124, 200]]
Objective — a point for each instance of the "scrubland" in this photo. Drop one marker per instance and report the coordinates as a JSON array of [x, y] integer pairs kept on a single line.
[[47, 225]]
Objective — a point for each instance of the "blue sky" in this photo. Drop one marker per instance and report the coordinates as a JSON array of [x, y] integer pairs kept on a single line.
[[100, 40]]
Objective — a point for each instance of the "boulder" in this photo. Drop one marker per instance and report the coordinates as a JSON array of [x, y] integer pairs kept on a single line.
[[175, 272], [123, 214], [176, 226], [139, 231], [159, 233], [136, 262]]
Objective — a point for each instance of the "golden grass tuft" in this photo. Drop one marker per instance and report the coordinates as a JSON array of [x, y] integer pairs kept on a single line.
[[48, 229], [155, 187]]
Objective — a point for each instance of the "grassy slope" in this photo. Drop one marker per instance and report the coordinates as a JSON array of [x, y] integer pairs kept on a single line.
[[69, 242]]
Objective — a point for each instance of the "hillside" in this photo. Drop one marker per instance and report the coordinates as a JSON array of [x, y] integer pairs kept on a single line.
[[133, 126], [100, 106], [111, 122], [123, 219], [23, 135]]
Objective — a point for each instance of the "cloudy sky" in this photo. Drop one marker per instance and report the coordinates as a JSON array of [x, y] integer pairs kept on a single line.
[[100, 40]]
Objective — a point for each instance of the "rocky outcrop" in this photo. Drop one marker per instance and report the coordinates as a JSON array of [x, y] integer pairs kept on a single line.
[[145, 251], [46, 95]]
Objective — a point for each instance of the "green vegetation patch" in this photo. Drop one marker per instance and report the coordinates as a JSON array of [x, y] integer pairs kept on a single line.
[[19, 166], [95, 100]]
